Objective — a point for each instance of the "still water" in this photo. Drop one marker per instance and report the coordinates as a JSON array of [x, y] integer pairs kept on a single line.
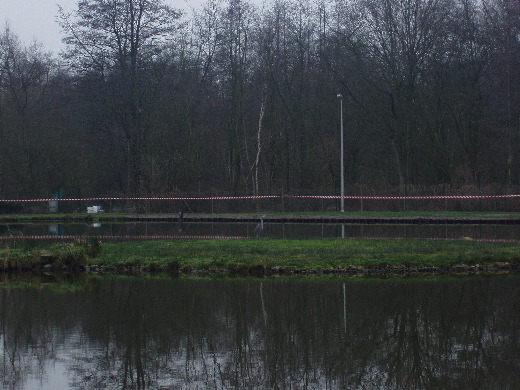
[[141, 230], [456, 333]]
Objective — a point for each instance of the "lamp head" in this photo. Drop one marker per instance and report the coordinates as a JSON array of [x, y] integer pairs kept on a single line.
[[340, 96]]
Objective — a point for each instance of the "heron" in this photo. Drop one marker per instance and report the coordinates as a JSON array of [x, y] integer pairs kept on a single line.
[[181, 222], [260, 226]]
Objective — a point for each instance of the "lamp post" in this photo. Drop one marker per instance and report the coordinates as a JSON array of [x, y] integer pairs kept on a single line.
[[342, 167]]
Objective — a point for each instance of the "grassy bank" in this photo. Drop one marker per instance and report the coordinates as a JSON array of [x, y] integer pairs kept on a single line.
[[307, 254], [275, 256]]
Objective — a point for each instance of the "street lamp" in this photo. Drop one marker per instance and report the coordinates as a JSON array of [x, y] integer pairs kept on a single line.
[[340, 97]]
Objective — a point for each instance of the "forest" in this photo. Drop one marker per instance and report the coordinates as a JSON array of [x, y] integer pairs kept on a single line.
[[236, 98]]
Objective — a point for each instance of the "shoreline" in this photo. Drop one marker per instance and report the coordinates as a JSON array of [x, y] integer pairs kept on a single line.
[[263, 272], [362, 218], [260, 271]]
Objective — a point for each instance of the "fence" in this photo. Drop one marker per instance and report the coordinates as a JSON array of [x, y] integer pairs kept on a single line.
[[272, 203]]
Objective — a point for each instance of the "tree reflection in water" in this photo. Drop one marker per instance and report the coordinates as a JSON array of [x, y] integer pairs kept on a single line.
[[249, 334]]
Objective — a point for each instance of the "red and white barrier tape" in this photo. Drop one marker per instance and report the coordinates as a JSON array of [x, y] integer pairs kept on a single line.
[[268, 197], [403, 197], [141, 198], [122, 237]]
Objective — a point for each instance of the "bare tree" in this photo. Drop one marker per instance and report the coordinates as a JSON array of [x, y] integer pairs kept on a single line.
[[392, 44], [119, 39], [24, 78], [502, 29], [233, 66]]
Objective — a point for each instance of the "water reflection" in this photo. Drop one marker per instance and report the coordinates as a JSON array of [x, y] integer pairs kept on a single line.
[[301, 334], [271, 230]]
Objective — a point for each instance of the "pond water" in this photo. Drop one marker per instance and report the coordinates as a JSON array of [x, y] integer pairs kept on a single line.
[[141, 230], [344, 333]]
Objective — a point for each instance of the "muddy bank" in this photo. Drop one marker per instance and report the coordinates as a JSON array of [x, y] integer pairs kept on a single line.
[[243, 270], [261, 271]]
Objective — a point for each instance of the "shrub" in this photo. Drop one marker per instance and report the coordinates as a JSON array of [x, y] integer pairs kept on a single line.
[[70, 256], [93, 246], [173, 267]]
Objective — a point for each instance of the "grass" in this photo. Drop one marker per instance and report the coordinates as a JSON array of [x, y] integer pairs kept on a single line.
[[276, 254], [333, 254], [405, 214], [63, 256]]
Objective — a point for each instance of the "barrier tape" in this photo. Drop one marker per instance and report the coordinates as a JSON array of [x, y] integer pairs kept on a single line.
[[142, 198], [405, 197], [267, 197], [122, 237]]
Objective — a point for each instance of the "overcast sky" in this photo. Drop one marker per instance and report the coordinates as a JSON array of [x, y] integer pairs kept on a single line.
[[36, 19]]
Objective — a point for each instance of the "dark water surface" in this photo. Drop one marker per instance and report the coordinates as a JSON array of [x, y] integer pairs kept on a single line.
[[123, 333], [142, 230]]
